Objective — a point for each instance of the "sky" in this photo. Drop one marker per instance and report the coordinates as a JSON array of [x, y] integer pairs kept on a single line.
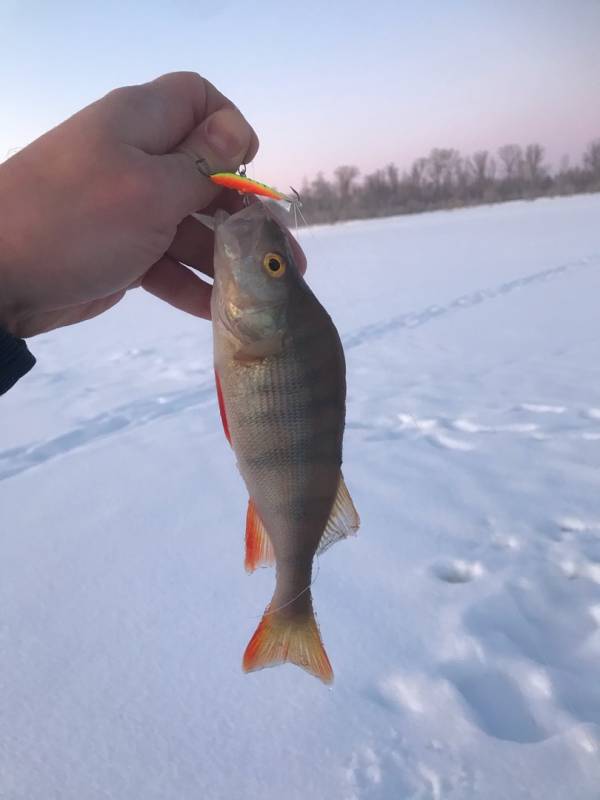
[[324, 84]]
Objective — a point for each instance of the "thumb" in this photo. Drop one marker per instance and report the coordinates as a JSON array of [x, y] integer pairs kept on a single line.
[[224, 140]]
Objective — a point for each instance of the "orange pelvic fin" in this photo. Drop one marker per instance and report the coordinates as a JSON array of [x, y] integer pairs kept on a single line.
[[280, 639], [259, 550], [222, 407]]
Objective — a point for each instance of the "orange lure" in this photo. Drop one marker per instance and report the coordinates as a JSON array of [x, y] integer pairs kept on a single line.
[[231, 180]]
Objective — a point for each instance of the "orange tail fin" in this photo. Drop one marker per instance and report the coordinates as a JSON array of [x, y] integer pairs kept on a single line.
[[297, 639]]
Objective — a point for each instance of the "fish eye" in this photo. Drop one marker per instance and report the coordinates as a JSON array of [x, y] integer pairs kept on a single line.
[[274, 265]]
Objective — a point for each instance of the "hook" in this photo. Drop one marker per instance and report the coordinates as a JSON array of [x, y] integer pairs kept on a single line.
[[298, 201]]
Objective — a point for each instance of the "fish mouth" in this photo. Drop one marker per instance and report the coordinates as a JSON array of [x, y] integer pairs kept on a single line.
[[237, 312]]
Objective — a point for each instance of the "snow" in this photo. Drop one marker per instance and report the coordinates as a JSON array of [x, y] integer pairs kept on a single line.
[[463, 622]]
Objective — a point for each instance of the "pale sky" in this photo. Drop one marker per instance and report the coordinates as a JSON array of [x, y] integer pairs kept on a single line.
[[324, 83]]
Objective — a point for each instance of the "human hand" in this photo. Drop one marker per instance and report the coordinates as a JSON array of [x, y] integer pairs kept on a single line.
[[101, 204]]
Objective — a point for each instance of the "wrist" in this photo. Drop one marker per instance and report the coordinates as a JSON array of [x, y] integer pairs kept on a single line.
[[9, 318], [12, 250]]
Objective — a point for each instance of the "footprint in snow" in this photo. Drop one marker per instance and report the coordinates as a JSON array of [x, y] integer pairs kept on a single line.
[[541, 408], [407, 693], [495, 702], [429, 428], [586, 569], [131, 415], [130, 354], [591, 549], [449, 443], [577, 525], [388, 772], [457, 571], [468, 426], [505, 542], [546, 621]]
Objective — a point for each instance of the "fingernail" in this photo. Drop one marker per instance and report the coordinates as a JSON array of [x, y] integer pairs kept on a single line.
[[226, 132]]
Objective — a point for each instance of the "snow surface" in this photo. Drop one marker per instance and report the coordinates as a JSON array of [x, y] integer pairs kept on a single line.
[[463, 622]]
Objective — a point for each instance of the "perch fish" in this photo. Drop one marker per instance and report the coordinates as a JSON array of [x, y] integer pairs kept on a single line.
[[281, 385]]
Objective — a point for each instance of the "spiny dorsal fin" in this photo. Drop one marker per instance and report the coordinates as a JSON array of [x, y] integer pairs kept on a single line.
[[343, 520], [297, 639], [259, 550]]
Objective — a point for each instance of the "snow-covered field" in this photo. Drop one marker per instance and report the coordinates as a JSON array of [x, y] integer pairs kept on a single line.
[[463, 622]]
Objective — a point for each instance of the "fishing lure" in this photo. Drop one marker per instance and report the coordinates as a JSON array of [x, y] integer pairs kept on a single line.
[[245, 185], [240, 182]]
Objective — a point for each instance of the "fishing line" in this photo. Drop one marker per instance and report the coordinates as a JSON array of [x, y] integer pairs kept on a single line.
[[289, 602]]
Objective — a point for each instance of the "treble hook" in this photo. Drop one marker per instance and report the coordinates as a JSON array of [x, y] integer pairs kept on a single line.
[[298, 201]]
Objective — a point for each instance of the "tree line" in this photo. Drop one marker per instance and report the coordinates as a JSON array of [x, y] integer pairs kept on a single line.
[[447, 179]]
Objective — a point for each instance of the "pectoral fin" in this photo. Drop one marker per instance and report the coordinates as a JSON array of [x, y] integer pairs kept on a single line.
[[343, 520]]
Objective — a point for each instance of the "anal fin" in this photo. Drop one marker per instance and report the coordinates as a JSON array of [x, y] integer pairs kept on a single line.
[[259, 550], [343, 520]]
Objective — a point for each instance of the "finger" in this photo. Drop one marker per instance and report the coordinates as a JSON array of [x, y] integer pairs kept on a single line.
[[223, 140], [194, 243], [175, 284], [183, 188], [252, 148], [180, 111], [221, 143], [178, 94], [158, 115]]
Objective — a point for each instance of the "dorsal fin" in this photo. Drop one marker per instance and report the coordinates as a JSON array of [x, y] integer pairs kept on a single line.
[[343, 520]]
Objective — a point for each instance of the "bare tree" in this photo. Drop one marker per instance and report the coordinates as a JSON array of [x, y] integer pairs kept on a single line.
[[441, 168], [511, 156], [393, 182], [565, 163], [323, 199], [591, 158], [446, 179], [375, 192], [345, 177], [534, 170], [480, 161], [417, 172], [461, 180]]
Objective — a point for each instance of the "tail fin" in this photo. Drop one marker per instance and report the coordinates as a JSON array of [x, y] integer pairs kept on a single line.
[[296, 639]]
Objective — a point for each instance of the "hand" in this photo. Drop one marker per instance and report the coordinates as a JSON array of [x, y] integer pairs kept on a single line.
[[101, 204]]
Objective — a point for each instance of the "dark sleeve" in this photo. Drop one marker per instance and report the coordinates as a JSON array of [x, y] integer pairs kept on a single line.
[[15, 360]]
